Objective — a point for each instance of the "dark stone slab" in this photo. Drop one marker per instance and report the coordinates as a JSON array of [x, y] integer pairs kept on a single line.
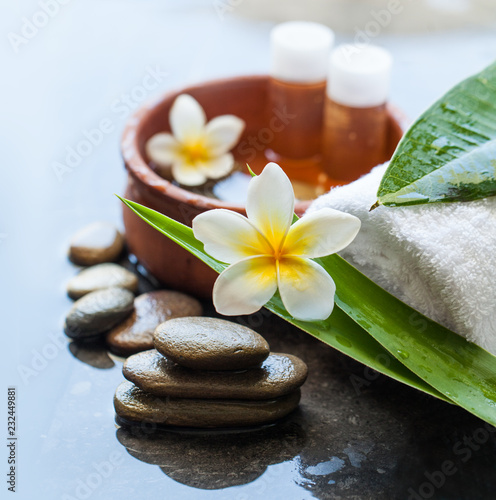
[[278, 375], [131, 403], [215, 459]]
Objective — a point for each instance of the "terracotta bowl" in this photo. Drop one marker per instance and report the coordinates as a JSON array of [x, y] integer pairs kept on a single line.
[[172, 265]]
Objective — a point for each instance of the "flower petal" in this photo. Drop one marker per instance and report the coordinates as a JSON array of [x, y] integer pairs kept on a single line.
[[187, 174], [162, 149], [307, 291], [321, 233], [270, 203], [245, 287], [223, 133], [228, 236], [218, 167], [187, 118]]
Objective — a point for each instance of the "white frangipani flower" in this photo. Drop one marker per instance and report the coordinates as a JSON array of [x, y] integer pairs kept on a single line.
[[267, 252], [196, 150]]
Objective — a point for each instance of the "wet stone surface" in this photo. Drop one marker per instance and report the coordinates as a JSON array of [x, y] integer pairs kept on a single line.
[[210, 344], [96, 243], [100, 277], [151, 309], [278, 375], [131, 403], [98, 311]]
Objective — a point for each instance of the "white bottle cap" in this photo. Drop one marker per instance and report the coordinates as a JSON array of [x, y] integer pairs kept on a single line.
[[300, 51], [359, 76]]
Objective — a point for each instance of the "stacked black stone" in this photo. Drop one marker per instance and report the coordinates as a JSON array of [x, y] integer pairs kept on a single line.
[[207, 372]]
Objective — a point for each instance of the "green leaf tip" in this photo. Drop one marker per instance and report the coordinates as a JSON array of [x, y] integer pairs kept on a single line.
[[374, 206], [250, 171], [448, 154]]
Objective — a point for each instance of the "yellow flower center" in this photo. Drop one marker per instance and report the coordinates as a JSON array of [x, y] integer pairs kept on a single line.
[[279, 253], [195, 152]]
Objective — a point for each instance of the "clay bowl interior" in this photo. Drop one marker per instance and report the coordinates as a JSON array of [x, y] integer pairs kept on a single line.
[[242, 96]]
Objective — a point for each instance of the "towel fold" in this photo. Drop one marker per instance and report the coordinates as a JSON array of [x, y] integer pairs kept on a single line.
[[439, 258]]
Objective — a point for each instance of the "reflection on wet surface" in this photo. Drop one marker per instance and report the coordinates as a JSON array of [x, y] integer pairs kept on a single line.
[[214, 459], [93, 353]]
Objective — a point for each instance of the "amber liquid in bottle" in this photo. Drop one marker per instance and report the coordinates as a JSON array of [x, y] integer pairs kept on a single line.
[[295, 113], [354, 139]]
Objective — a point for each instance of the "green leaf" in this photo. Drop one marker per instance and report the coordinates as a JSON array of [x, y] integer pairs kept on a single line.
[[373, 327], [449, 153], [339, 331], [459, 369]]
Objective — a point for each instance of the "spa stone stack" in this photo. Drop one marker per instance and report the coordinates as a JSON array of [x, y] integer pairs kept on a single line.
[[208, 372]]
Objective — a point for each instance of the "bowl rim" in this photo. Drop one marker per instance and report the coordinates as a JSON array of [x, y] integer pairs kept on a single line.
[[139, 169]]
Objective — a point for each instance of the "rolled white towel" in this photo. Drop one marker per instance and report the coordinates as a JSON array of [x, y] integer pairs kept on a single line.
[[440, 258]]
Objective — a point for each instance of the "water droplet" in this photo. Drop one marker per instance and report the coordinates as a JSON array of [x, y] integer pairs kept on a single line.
[[343, 341], [355, 455], [403, 354], [426, 368], [335, 464]]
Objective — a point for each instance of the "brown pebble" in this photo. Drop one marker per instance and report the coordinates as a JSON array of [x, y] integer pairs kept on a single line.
[[97, 312], [133, 404], [96, 243], [100, 277], [278, 375], [135, 334], [210, 344]]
